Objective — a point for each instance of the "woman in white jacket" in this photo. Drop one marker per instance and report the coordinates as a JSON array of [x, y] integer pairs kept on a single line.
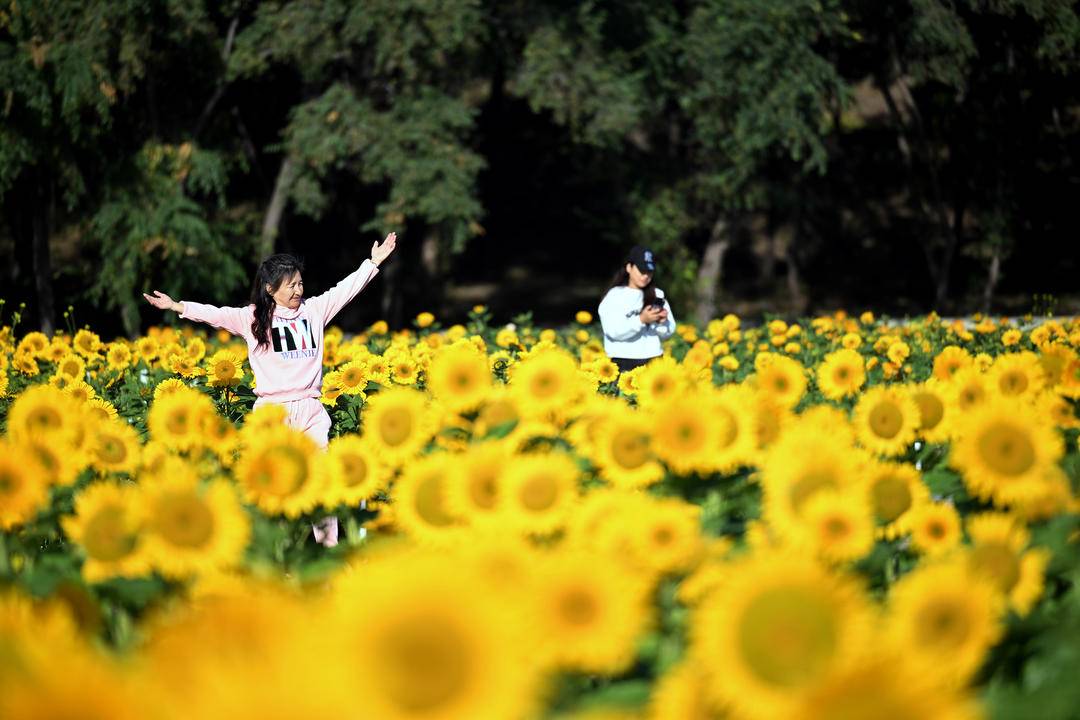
[[634, 314]]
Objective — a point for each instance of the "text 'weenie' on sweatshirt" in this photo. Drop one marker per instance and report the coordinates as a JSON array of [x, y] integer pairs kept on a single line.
[[625, 336], [291, 367]]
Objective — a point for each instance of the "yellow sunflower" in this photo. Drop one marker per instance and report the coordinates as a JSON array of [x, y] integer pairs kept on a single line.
[[541, 491], [419, 497], [776, 627], [87, 344], [23, 489], [1004, 447], [192, 528], [45, 413], [668, 538], [885, 420], [622, 448], [546, 382], [147, 349], [115, 447], [118, 356], [969, 388], [800, 465], [838, 528], [944, 620], [352, 377], [884, 685], [277, 472], [477, 492], [587, 612], [685, 438], [896, 490], [224, 369], [107, 525], [71, 367], [841, 374], [659, 381], [398, 424], [935, 528], [355, 472], [950, 360], [458, 377], [999, 552], [177, 419], [680, 694], [935, 410], [419, 642], [1017, 375], [782, 377], [167, 387]]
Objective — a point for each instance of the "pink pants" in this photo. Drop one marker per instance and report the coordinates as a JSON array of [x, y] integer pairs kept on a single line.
[[308, 416]]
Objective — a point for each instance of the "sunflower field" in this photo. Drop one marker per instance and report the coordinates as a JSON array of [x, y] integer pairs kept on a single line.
[[840, 518]]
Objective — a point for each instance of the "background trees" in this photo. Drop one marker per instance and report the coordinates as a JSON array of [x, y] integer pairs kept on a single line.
[[789, 155]]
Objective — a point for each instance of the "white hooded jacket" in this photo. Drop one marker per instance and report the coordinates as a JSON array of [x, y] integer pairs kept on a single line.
[[625, 336]]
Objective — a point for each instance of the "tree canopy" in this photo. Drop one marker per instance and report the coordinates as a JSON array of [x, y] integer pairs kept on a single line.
[[788, 155]]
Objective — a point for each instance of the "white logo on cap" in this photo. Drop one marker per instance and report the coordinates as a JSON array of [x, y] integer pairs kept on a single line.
[[648, 256]]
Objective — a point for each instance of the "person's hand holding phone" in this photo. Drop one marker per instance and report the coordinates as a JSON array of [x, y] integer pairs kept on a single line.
[[651, 313]]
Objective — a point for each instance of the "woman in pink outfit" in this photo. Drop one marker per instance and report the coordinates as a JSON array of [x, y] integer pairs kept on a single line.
[[284, 334]]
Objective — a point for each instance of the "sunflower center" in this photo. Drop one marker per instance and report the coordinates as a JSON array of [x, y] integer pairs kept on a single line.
[[936, 530], [997, 562], [1006, 449], [578, 607], [396, 426], [354, 470], [630, 449], [45, 418], [942, 623], [225, 370], [111, 450], [424, 665], [351, 377], [836, 528], [1013, 383], [809, 484], [538, 493], [184, 519], [429, 501], [663, 536], [787, 636], [886, 420], [462, 380], [544, 385], [931, 409], [484, 489], [891, 497], [281, 471], [106, 537], [177, 422], [9, 482]]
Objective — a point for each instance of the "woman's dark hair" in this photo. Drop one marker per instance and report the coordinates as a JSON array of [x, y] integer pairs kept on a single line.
[[273, 271], [621, 278]]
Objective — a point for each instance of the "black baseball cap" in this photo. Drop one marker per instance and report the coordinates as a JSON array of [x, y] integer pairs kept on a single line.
[[643, 259]]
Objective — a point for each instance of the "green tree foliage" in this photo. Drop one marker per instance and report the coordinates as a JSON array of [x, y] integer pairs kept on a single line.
[[387, 104], [154, 234]]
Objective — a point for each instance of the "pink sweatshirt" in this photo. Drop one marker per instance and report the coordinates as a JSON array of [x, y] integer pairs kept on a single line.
[[291, 367]]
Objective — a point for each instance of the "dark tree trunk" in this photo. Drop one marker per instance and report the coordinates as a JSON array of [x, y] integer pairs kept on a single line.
[[42, 257], [710, 273], [276, 208]]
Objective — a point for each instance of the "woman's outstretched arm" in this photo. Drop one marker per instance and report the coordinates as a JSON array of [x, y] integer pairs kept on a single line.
[[333, 300], [235, 320]]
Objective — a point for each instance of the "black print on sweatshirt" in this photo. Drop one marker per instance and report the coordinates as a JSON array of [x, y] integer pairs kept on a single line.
[[294, 339]]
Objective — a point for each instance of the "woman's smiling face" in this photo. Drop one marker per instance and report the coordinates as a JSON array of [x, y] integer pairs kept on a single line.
[[289, 293]]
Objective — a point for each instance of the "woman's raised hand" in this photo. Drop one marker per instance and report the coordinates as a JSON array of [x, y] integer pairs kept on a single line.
[[161, 301], [381, 252]]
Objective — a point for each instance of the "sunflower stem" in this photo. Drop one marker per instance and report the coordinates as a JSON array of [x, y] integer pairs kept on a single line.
[[5, 564]]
